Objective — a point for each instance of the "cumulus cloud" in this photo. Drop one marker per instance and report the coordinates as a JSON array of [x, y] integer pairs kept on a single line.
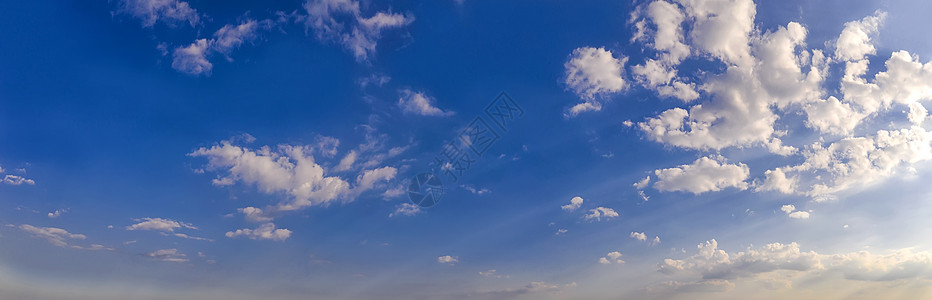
[[194, 58], [343, 22], [418, 103], [159, 224], [791, 212], [601, 212], [639, 236], [449, 260], [290, 170], [57, 213], [856, 39], [851, 162], [611, 258], [150, 12], [265, 231], [575, 203], [711, 173], [593, 73], [405, 209], [253, 214], [712, 263]]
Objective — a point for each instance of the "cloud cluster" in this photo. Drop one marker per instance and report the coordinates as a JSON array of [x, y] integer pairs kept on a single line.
[[758, 77], [712, 263], [150, 12], [342, 21], [265, 231], [194, 58], [287, 169]]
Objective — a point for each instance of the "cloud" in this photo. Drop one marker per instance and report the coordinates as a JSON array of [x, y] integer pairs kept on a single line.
[[253, 214], [170, 255], [706, 174], [641, 184], [57, 213], [342, 21], [601, 212], [639, 236], [16, 180], [418, 103], [474, 190], [55, 236], [791, 212], [149, 12], [405, 209], [265, 231], [446, 259], [561, 231], [575, 203], [593, 73], [611, 258], [851, 162], [712, 263], [159, 224], [194, 58], [856, 39], [492, 274]]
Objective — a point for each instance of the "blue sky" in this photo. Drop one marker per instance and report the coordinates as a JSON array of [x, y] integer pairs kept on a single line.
[[720, 149]]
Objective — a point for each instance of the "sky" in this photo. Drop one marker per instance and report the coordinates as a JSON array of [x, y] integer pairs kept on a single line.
[[657, 149]]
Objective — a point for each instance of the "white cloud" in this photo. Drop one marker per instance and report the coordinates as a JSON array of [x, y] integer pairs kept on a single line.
[[405, 209], [194, 58], [575, 203], [418, 103], [476, 191], [712, 263], [611, 258], [593, 73], [265, 231], [159, 224], [851, 162], [706, 174], [55, 236], [341, 21], [791, 212], [254, 214], [293, 170], [16, 180], [170, 255], [641, 184], [492, 274], [856, 39], [601, 212], [347, 162], [446, 259], [561, 231], [57, 213], [639, 236], [150, 12]]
